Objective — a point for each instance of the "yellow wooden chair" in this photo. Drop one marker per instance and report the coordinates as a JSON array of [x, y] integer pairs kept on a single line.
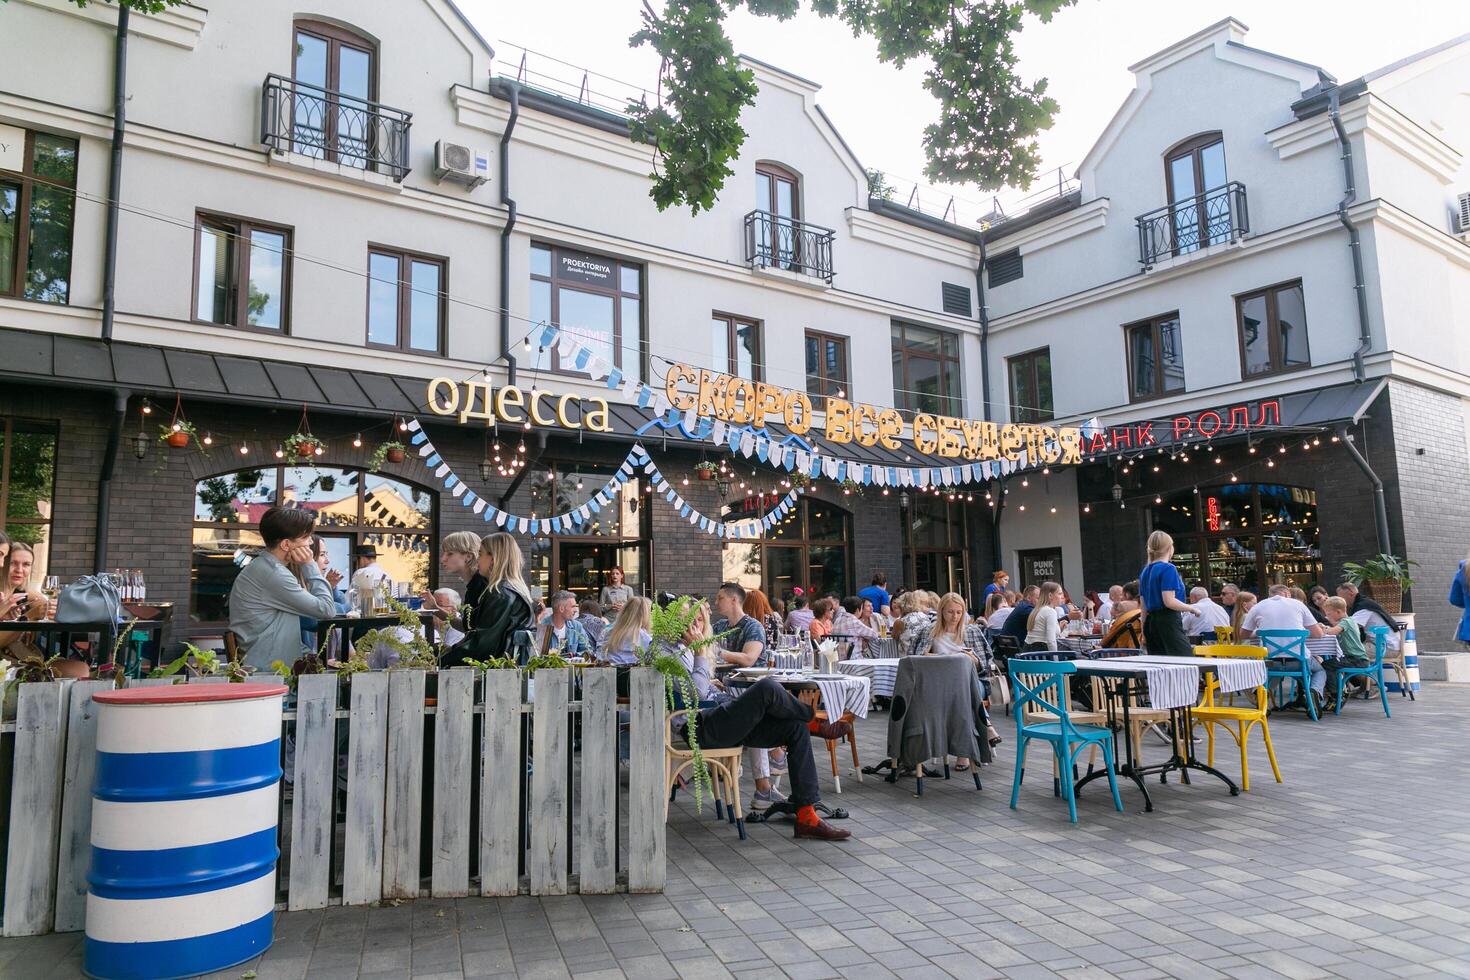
[[724, 774], [1242, 718]]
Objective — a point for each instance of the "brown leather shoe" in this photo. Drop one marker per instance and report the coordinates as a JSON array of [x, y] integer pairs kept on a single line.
[[821, 830], [832, 729]]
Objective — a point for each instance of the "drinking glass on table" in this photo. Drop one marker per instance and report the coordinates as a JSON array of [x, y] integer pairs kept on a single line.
[[51, 586]]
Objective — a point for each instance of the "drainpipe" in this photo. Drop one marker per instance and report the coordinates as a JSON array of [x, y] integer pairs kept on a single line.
[[114, 171], [1000, 505], [1380, 508], [509, 204], [104, 478], [1350, 194], [984, 313], [109, 285]]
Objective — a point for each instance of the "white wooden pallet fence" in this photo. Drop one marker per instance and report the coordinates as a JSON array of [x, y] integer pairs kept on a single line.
[[552, 833]]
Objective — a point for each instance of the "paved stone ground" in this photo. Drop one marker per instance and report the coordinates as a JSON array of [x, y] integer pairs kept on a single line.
[[1358, 866]]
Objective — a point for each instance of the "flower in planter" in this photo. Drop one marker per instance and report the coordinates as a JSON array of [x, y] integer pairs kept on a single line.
[[303, 447], [391, 451]]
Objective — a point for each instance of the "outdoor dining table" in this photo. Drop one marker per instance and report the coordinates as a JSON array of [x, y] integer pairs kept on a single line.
[[1173, 684], [882, 673], [106, 634], [360, 624], [841, 693]]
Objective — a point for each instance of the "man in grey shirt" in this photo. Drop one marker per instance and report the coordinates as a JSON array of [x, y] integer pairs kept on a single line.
[[267, 600]]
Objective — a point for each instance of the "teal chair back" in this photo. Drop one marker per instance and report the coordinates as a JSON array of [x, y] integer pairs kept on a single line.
[[1040, 683], [1284, 643], [1380, 646]]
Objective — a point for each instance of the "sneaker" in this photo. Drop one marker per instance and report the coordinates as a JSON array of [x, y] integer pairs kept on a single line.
[[778, 764], [761, 802]]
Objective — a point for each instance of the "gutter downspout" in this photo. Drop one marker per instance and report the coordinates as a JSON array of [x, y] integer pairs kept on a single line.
[[984, 313], [1000, 506], [1350, 194], [509, 204], [1380, 508], [109, 286]]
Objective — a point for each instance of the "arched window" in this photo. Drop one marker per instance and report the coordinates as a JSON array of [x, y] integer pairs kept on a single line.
[[1194, 171], [353, 507], [337, 74], [778, 194], [810, 548]]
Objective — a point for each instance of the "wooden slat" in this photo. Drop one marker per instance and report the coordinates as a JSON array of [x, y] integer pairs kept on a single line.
[[221, 679], [154, 681], [75, 851], [647, 844], [546, 859], [35, 808], [403, 804], [367, 763], [312, 792], [453, 742], [500, 784], [596, 840]]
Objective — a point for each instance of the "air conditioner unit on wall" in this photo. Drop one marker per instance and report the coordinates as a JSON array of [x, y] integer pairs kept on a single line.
[[1462, 218], [455, 161]]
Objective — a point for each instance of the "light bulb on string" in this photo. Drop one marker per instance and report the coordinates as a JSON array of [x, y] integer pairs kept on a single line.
[[1282, 450], [1156, 467], [1053, 510], [1087, 508], [208, 439], [244, 450], [1270, 463], [1158, 499], [280, 453], [357, 441]]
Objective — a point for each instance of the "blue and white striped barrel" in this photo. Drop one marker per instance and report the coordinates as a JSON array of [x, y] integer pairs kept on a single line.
[[184, 813], [1409, 645]]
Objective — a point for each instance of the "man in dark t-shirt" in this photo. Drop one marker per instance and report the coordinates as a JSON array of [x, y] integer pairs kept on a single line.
[[745, 646], [1016, 623]]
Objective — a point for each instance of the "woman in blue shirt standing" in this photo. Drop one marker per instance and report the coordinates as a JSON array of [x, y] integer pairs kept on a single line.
[[1460, 598], [1160, 587]]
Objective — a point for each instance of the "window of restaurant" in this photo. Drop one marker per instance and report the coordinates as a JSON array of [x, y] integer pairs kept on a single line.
[[926, 369], [778, 193], [353, 507], [241, 273], [596, 299], [1194, 171], [407, 294], [1273, 330], [810, 548], [1155, 358], [580, 557], [1030, 380], [332, 119], [38, 177], [934, 546], [737, 346], [826, 365], [27, 488], [1252, 534]]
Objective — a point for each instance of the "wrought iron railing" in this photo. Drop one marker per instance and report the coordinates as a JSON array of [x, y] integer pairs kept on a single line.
[[1211, 218], [297, 117], [774, 242]]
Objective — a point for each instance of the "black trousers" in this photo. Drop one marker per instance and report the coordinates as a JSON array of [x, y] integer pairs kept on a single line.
[[766, 716], [1163, 634]]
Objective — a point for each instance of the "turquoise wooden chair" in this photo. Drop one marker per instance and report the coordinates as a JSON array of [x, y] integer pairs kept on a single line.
[[1373, 671], [1036, 686], [1288, 645]]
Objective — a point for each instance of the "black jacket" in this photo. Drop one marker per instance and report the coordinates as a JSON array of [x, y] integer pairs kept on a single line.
[[474, 589], [496, 617]]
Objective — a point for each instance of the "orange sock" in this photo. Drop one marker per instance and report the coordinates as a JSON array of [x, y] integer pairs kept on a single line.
[[812, 726], [807, 816]]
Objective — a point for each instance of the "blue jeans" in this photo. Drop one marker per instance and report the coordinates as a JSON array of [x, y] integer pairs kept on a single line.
[[1319, 676]]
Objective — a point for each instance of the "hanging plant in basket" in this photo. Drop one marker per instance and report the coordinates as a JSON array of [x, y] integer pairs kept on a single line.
[[302, 446], [851, 488], [391, 451], [180, 431], [799, 479], [705, 469]]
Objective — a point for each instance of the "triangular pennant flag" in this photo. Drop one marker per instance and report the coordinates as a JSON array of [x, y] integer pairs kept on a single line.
[[499, 518]]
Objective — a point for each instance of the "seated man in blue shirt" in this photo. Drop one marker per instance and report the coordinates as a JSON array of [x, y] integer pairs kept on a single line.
[[1016, 622], [745, 642], [877, 594]]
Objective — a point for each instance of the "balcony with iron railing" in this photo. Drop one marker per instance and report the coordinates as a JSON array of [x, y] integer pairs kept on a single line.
[[297, 117], [775, 242], [1213, 218]]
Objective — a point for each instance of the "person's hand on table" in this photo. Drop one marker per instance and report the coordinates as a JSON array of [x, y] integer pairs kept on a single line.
[[10, 603]]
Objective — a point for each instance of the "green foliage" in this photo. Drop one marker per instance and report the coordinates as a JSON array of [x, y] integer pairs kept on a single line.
[[1380, 568], [879, 187], [140, 6], [492, 663], [416, 653], [201, 663], [551, 661], [988, 115], [380, 455], [301, 447], [32, 479]]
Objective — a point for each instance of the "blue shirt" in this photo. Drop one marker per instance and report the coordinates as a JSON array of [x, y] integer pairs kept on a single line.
[[748, 629], [1157, 578], [877, 595]]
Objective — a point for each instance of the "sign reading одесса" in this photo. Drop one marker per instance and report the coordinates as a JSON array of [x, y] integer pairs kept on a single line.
[[480, 402], [739, 401]]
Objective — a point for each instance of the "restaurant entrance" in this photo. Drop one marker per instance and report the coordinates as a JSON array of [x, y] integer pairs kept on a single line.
[[582, 567], [1253, 535]]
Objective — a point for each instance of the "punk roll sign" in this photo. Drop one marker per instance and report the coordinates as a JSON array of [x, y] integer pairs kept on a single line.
[[739, 401]]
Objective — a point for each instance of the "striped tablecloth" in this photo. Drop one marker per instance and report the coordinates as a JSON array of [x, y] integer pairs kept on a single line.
[[1170, 685], [881, 672], [840, 692], [1234, 674], [1079, 644], [1322, 647], [885, 647]]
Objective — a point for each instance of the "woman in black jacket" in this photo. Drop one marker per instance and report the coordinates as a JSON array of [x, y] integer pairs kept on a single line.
[[504, 607]]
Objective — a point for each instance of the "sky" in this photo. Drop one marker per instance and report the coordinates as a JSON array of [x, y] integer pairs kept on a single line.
[[881, 112]]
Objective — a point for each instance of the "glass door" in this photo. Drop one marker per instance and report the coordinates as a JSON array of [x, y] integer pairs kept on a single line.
[[333, 120], [1196, 175]]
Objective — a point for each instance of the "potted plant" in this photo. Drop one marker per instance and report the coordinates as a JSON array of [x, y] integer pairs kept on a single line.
[[391, 451], [799, 479], [31, 667], [302, 447], [705, 470], [1384, 577], [850, 487], [179, 433]]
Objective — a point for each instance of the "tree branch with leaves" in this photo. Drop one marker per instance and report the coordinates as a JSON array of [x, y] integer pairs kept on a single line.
[[989, 116]]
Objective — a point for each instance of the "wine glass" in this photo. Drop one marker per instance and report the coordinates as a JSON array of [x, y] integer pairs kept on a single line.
[[51, 586]]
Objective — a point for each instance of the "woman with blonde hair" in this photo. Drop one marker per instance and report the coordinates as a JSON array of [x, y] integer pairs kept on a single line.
[[630, 633], [1043, 626], [1244, 603], [1159, 589], [952, 635], [459, 555], [505, 606]]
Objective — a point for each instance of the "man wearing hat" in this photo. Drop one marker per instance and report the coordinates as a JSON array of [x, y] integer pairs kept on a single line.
[[369, 573]]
